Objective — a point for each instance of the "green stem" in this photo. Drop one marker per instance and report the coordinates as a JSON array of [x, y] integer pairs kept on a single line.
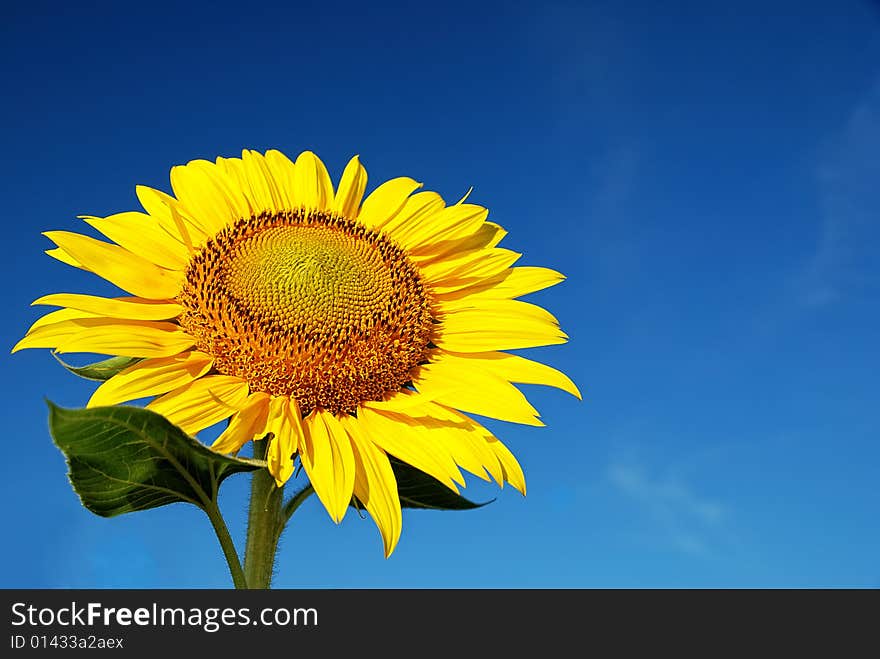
[[264, 524], [232, 560]]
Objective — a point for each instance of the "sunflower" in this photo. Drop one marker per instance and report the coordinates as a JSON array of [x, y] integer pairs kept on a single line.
[[350, 329]]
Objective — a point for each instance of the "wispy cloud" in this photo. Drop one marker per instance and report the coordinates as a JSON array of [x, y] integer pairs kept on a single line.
[[848, 176], [684, 518]]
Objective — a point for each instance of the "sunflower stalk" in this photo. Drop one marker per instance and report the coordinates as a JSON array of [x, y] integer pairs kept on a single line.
[[227, 545], [265, 523]]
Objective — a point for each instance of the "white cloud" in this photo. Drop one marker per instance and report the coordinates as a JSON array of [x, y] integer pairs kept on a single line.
[[685, 519]]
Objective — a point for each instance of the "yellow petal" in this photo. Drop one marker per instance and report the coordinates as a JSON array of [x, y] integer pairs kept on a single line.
[[245, 425], [203, 197], [473, 442], [236, 195], [235, 174], [47, 331], [459, 435], [286, 437], [508, 284], [497, 325], [375, 485], [279, 461], [477, 264], [351, 189], [313, 188], [202, 403], [297, 422], [513, 473], [386, 201], [514, 369], [397, 434], [129, 308], [64, 257], [328, 460], [417, 209], [140, 234], [465, 197], [151, 377], [498, 312], [84, 332], [133, 338], [485, 237], [504, 467], [283, 172], [62, 314], [262, 184], [166, 210], [451, 223], [481, 341], [456, 383], [497, 233], [119, 266]]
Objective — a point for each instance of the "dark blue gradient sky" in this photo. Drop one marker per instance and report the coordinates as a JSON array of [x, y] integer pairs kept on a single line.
[[706, 175]]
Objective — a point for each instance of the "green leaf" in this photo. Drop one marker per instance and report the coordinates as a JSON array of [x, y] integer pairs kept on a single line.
[[420, 490], [102, 370], [124, 459]]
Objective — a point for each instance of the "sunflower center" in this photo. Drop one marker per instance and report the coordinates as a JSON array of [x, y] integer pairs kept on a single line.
[[308, 305], [306, 279]]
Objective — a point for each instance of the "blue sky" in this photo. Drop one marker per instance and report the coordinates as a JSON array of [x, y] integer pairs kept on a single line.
[[705, 174]]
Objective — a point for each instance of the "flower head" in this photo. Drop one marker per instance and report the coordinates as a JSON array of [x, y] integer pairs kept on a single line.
[[348, 328]]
